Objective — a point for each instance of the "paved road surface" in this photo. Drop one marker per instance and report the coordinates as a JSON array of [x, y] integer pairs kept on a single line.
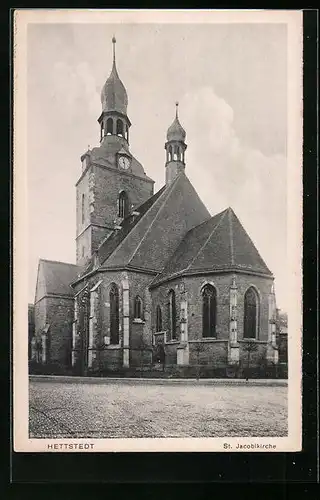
[[116, 409]]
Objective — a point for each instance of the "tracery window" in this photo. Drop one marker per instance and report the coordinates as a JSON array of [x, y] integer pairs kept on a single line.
[[114, 314], [172, 316], [209, 311], [138, 309], [158, 319], [251, 314]]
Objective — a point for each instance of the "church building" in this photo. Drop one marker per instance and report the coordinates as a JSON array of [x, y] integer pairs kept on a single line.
[[157, 280]]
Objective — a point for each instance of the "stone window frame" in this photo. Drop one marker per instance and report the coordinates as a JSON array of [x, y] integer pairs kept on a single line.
[[82, 208], [138, 315], [171, 335], [200, 290], [204, 287], [258, 313], [114, 288], [123, 204], [159, 322]]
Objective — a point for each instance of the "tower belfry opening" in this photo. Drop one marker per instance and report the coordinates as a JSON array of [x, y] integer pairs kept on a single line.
[[114, 100]]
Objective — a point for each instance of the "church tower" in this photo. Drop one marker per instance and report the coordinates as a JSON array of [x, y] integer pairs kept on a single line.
[[113, 182], [175, 149]]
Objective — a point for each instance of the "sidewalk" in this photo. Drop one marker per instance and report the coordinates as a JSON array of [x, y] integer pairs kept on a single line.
[[157, 381]]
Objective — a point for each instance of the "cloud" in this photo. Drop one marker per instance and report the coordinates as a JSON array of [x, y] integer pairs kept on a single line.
[[226, 172], [74, 87]]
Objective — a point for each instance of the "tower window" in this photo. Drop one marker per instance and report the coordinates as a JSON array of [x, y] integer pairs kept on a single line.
[[127, 133], [109, 126], [138, 310], [176, 153], [251, 314], [209, 306], [119, 127], [114, 314], [123, 205], [102, 131], [158, 319], [172, 316], [82, 208], [170, 153]]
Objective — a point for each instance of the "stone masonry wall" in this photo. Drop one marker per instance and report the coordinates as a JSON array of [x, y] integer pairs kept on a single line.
[[107, 187], [101, 187], [60, 317], [58, 313], [213, 350], [110, 356]]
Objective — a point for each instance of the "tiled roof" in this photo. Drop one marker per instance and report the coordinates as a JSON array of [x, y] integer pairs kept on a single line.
[[221, 243], [158, 231], [54, 278], [111, 243]]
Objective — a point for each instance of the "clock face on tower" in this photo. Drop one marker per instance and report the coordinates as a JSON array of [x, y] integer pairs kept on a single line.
[[124, 162]]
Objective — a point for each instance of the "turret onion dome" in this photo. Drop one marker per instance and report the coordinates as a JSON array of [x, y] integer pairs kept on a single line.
[[176, 132], [114, 95]]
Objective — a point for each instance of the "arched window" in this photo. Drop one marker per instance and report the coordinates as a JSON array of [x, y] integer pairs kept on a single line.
[[138, 310], [114, 314], [175, 153], [172, 317], [102, 131], [209, 311], [119, 127], [170, 153], [109, 126], [123, 205], [127, 133], [82, 208], [251, 314], [158, 319]]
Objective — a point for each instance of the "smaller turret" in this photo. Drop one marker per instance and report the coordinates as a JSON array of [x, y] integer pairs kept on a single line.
[[175, 148]]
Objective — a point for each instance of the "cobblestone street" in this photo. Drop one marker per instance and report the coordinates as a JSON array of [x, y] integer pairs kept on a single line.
[[138, 409]]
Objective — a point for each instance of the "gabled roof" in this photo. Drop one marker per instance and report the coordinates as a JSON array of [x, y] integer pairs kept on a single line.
[[114, 240], [54, 278], [153, 238], [221, 243]]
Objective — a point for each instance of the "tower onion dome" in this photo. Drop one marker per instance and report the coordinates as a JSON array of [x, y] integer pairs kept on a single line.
[[176, 132], [114, 95]]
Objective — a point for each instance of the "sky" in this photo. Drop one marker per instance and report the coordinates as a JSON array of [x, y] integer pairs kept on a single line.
[[231, 84]]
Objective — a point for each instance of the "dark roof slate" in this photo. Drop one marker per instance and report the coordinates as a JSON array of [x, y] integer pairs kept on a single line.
[[158, 231], [54, 278], [221, 243]]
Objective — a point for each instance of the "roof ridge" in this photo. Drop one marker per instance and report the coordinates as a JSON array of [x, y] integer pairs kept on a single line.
[[152, 199], [170, 189], [136, 225], [208, 239], [230, 211], [251, 241], [157, 194], [58, 262], [208, 220], [177, 273]]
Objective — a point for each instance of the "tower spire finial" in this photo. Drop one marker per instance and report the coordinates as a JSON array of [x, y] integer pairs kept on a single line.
[[114, 41], [177, 105]]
